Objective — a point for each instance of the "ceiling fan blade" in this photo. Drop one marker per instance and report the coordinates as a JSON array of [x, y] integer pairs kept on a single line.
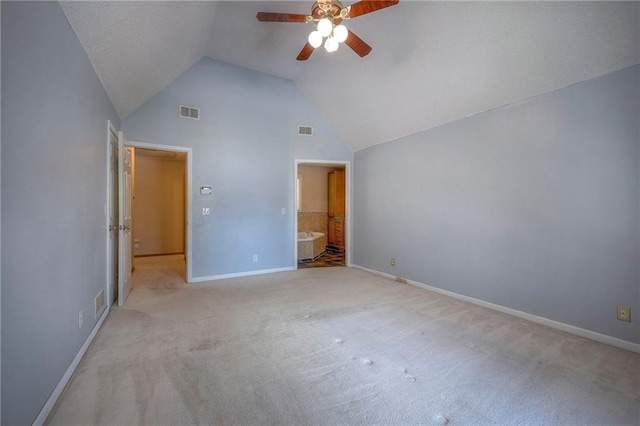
[[367, 6], [357, 44], [306, 51], [281, 17]]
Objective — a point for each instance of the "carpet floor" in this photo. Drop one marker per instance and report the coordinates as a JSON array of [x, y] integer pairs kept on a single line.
[[334, 346]]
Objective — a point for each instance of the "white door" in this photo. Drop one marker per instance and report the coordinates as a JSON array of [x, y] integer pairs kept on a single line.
[[113, 217], [124, 214]]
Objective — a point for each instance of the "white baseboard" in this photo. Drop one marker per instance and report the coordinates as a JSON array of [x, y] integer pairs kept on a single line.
[[240, 274], [57, 391], [588, 334]]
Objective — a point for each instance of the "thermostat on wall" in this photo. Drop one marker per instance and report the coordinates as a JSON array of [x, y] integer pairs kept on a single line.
[[205, 190]]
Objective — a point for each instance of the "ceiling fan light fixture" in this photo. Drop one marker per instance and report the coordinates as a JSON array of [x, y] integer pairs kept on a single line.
[[331, 45], [327, 16], [340, 33], [325, 26], [315, 39]]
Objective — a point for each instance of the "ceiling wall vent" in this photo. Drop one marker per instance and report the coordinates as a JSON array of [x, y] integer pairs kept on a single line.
[[189, 112], [305, 130]]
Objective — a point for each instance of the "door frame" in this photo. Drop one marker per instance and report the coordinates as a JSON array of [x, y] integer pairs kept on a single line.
[[347, 184], [125, 210], [107, 209], [188, 194]]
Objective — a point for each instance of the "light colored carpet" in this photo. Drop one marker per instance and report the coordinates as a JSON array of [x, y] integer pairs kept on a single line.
[[293, 348]]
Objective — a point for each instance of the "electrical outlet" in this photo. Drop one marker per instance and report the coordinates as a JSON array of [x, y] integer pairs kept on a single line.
[[206, 211], [624, 313], [393, 261], [80, 319], [255, 257]]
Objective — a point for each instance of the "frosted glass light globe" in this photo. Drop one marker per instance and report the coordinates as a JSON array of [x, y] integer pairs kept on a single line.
[[315, 39], [331, 44], [325, 26], [340, 33]]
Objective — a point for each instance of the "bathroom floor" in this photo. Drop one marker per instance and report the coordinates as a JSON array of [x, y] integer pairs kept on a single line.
[[327, 259]]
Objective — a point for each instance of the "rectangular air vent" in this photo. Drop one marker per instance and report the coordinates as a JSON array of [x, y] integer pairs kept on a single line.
[[99, 303], [189, 112], [305, 130]]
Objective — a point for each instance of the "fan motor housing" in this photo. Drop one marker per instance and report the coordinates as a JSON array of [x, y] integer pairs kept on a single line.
[[333, 8]]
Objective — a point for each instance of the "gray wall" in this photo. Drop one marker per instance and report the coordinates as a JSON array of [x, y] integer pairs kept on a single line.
[[244, 146], [0, 224], [54, 130], [533, 206], [314, 191]]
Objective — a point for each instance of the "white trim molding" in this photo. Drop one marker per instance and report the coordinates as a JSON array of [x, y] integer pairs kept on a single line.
[[57, 391], [240, 274], [587, 334], [111, 130]]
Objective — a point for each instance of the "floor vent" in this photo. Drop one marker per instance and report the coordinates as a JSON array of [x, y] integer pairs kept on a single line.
[[99, 302], [305, 130], [189, 112]]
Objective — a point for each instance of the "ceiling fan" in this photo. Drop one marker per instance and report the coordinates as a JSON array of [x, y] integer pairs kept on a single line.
[[328, 16]]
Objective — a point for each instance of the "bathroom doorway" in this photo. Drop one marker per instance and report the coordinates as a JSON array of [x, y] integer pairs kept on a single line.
[[322, 221]]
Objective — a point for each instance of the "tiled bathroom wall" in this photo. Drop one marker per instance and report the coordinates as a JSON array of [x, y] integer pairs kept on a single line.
[[312, 221]]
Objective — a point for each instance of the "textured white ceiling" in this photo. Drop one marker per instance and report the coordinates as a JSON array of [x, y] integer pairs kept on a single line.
[[431, 63], [444, 61], [238, 37], [138, 48]]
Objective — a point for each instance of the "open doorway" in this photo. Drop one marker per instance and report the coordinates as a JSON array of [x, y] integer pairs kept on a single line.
[[322, 214], [121, 168], [159, 205]]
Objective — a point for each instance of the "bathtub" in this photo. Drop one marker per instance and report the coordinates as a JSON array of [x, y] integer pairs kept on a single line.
[[311, 245]]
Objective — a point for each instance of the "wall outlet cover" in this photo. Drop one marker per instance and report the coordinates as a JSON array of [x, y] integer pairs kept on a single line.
[[624, 313]]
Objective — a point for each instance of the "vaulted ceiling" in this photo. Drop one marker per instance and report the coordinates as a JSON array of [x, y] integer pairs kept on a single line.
[[431, 63]]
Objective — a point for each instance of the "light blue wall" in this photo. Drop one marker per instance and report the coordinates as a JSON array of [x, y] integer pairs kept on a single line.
[[534, 206], [0, 222], [244, 146], [54, 129]]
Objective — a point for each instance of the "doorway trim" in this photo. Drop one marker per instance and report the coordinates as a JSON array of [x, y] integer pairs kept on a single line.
[[188, 191], [348, 186], [107, 208]]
